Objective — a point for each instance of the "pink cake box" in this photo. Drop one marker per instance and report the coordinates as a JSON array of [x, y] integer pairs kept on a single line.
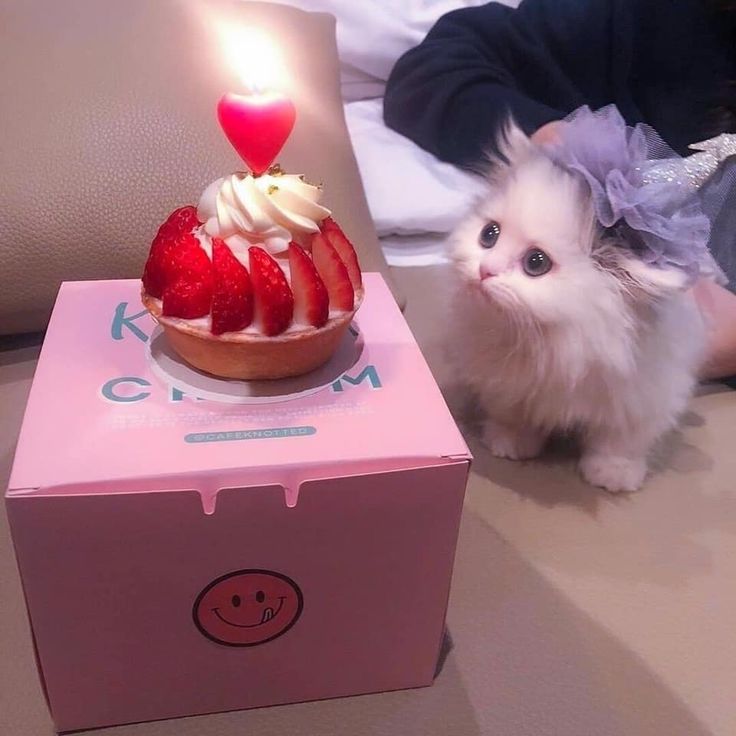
[[183, 556]]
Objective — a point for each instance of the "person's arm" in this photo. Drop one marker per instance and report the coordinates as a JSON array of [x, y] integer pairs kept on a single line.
[[718, 306], [452, 93]]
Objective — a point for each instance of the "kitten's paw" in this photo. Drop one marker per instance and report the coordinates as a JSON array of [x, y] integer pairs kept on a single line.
[[511, 444], [614, 473]]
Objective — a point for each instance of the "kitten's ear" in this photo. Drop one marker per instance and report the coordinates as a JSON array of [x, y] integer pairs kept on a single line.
[[509, 148], [654, 280], [640, 279], [512, 143]]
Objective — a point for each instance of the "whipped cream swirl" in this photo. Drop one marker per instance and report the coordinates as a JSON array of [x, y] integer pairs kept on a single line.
[[268, 210]]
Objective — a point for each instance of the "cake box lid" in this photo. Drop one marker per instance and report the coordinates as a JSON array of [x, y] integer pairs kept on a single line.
[[100, 420]]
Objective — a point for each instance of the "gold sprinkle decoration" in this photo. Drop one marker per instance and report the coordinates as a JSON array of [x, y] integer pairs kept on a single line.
[[276, 170], [272, 188]]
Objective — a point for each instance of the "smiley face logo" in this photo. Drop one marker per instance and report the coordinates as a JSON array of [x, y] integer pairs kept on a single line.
[[247, 607]]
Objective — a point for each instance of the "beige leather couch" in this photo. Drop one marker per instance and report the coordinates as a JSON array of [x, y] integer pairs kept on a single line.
[[573, 613]]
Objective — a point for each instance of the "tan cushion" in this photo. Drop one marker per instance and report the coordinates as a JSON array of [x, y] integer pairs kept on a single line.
[[108, 123]]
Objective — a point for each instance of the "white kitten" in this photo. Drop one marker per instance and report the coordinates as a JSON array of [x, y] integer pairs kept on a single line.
[[560, 329]]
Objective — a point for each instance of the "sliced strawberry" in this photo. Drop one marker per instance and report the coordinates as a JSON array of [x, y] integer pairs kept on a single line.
[[180, 221], [344, 249], [186, 272], [176, 259], [186, 261], [274, 301], [232, 293], [154, 276], [187, 299], [334, 273], [311, 302], [172, 259]]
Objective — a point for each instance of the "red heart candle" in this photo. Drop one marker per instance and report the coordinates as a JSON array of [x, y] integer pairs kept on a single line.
[[257, 125]]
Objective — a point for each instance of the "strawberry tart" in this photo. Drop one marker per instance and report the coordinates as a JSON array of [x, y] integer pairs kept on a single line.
[[257, 281]]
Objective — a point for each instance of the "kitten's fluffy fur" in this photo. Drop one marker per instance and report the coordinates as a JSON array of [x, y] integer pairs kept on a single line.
[[602, 344]]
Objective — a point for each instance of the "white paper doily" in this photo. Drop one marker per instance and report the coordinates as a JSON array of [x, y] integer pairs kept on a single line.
[[172, 370]]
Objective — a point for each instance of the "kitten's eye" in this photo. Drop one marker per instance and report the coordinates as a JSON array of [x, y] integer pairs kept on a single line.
[[489, 235], [536, 262]]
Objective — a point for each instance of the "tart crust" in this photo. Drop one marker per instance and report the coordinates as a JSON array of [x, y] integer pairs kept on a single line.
[[247, 356]]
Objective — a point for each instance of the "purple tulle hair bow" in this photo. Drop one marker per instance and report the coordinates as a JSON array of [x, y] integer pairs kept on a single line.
[[662, 222]]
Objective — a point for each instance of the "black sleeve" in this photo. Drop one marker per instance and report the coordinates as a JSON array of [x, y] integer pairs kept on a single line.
[[538, 62]]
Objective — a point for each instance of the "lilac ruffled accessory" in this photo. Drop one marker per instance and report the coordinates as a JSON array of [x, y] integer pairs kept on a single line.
[[640, 188]]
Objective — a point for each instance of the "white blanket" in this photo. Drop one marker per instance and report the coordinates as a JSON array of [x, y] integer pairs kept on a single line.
[[409, 191]]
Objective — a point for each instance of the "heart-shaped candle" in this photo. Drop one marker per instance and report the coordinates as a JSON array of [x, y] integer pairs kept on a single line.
[[257, 125]]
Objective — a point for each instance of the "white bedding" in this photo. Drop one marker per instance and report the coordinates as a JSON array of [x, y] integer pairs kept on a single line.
[[424, 249], [409, 191]]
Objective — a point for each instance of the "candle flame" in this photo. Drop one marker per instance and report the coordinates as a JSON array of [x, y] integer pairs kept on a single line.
[[253, 56]]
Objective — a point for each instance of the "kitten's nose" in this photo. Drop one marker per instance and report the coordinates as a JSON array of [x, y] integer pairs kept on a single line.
[[485, 272]]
